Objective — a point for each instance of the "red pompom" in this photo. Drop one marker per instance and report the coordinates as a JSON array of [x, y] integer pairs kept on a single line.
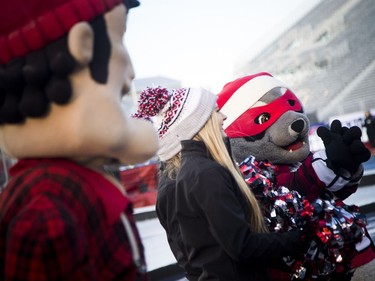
[[151, 102]]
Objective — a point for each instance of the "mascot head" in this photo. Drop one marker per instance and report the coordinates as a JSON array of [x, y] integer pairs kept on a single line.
[[63, 73], [265, 119]]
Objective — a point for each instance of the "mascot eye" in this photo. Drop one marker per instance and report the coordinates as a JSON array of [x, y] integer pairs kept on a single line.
[[292, 102], [263, 118]]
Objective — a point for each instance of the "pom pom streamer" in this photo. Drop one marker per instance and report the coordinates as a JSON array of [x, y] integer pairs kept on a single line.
[[332, 227]]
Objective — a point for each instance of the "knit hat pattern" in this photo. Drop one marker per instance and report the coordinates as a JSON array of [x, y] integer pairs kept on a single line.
[[177, 115]]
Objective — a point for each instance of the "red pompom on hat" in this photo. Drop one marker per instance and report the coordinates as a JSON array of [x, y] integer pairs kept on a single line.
[[239, 101], [28, 25], [151, 102]]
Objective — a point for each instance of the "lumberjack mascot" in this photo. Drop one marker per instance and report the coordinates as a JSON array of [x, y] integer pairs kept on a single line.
[[63, 73]]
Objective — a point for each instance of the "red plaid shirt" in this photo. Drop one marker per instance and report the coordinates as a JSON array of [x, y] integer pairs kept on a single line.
[[62, 221]]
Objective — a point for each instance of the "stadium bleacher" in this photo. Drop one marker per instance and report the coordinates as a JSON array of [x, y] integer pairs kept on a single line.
[[327, 58]]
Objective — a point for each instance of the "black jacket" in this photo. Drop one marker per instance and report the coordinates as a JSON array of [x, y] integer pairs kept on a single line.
[[207, 225], [166, 212]]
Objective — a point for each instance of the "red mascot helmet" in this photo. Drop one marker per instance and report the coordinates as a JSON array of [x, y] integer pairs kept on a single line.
[[238, 101]]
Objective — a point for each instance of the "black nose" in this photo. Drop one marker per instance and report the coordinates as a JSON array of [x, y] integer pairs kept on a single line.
[[298, 125]]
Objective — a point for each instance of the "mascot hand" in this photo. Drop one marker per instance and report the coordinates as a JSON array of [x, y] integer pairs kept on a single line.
[[344, 148]]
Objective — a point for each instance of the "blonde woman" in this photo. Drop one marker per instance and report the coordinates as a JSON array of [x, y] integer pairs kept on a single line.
[[213, 222]]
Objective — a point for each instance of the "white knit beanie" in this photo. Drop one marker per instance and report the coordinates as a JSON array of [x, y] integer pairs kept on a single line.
[[177, 115]]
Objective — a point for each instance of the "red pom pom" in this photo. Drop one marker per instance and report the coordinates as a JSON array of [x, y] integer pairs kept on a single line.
[[151, 102]]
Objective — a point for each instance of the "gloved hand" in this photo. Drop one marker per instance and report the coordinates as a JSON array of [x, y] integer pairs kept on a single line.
[[344, 148]]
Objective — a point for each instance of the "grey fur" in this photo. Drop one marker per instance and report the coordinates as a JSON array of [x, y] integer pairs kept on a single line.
[[273, 146]]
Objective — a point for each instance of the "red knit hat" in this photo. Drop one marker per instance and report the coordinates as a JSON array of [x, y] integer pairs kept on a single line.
[[28, 25], [239, 102]]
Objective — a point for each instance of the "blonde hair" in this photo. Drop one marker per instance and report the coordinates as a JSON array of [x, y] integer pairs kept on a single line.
[[171, 166], [211, 135]]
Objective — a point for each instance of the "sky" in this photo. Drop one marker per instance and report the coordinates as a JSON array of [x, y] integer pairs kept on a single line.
[[202, 42]]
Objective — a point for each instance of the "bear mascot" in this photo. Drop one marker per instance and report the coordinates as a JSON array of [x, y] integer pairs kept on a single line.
[[266, 120], [63, 72]]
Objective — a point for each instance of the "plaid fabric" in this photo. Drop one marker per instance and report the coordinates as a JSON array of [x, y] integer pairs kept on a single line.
[[61, 221]]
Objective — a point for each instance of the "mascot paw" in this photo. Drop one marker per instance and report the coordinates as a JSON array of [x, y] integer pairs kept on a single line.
[[344, 148]]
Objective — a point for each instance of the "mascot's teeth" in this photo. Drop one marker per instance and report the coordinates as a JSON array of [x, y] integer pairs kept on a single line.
[[290, 150], [303, 143]]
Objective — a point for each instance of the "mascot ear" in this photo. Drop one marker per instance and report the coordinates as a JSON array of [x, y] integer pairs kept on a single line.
[[81, 43]]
